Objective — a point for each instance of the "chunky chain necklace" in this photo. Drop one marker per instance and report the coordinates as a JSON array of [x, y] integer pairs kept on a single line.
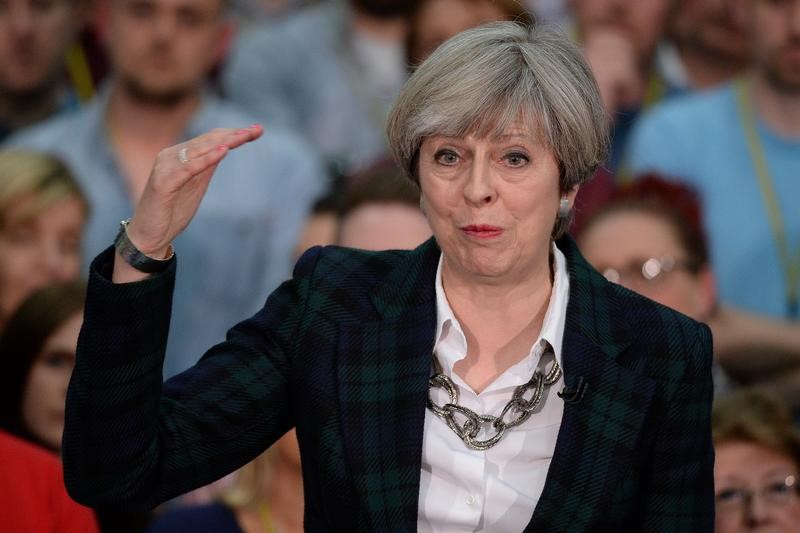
[[516, 411]]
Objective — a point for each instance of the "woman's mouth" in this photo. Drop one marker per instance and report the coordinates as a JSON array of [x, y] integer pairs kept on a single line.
[[482, 231]]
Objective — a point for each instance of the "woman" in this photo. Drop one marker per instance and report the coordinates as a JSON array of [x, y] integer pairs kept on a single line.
[[42, 216], [432, 22], [37, 353], [266, 496], [498, 127], [757, 473], [648, 238]]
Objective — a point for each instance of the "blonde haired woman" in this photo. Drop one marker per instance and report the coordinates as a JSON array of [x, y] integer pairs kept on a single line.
[[42, 218]]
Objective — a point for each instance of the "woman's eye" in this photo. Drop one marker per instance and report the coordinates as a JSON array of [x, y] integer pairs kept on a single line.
[[517, 159], [729, 495], [21, 234], [446, 157], [779, 487]]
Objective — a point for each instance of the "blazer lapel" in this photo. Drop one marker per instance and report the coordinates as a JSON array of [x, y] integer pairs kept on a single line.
[[599, 431], [383, 368]]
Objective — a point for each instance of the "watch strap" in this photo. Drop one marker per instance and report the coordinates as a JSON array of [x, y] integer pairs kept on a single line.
[[134, 257]]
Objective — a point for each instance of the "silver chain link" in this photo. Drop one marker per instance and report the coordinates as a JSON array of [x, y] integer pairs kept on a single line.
[[518, 409]]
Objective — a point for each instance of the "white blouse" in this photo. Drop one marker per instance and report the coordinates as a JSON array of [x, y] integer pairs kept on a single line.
[[494, 490]]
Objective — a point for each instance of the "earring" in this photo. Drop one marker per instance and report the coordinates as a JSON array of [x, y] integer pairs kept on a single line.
[[563, 207]]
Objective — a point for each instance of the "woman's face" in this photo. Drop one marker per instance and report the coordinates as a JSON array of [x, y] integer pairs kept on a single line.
[[438, 20], [623, 243], [491, 203], [39, 250], [45, 392], [756, 489]]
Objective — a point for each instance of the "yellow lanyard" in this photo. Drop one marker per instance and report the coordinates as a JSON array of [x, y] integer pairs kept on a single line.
[[266, 518], [790, 262]]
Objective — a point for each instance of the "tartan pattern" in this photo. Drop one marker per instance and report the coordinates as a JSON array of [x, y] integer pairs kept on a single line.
[[349, 340]]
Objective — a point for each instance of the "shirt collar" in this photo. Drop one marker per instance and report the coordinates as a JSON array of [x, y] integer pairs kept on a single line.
[[448, 329]]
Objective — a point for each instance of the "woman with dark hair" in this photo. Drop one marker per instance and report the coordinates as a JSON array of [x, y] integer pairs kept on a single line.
[[37, 353], [648, 237]]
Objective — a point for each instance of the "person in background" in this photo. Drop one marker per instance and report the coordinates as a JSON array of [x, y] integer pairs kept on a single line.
[[34, 39], [322, 224], [329, 72], [706, 45], [619, 39], [43, 213], [266, 496], [757, 470], [554, 12], [432, 22], [648, 237], [32, 493], [253, 11], [37, 353], [381, 211], [161, 52], [739, 146]]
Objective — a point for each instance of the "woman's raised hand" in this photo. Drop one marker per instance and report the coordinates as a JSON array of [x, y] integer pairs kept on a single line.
[[177, 183]]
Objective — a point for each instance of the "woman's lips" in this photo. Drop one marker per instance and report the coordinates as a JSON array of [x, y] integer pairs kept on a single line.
[[482, 231]]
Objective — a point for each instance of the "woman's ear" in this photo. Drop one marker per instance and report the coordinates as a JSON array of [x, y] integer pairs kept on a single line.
[[571, 194]]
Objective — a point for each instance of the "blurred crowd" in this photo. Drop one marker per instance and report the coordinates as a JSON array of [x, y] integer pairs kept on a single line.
[[697, 207]]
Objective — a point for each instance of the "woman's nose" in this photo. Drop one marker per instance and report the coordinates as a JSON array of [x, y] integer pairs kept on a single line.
[[479, 189], [51, 259], [757, 511]]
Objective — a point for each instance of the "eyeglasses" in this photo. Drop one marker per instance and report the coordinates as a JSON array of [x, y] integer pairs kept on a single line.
[[649, 271], [776, 493]]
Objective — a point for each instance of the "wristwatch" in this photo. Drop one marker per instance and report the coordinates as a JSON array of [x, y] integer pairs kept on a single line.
[[135, 258]]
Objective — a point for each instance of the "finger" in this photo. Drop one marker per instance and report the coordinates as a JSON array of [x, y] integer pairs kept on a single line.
[[204, 162], [242, 136], [232, 138]]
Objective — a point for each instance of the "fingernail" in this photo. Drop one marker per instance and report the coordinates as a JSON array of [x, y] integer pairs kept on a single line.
[[222, 147]]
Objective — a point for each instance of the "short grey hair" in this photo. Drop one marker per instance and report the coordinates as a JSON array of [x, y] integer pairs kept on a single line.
[[483, 79]]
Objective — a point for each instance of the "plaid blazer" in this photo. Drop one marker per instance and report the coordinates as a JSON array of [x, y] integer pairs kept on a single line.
[[343, 352]]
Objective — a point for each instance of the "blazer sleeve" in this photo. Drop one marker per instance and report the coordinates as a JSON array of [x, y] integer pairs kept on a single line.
[[680, 495], [132, 442]]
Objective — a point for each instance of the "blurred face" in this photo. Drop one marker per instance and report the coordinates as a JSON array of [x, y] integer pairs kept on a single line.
[[39, 250], [711, 25], [641, 252], [775, 38], [491, 203], [320, 230], [163, 49], [642, 21], [46, 391], [756, 490], [384, 227], [438, 20], [33, 37]]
